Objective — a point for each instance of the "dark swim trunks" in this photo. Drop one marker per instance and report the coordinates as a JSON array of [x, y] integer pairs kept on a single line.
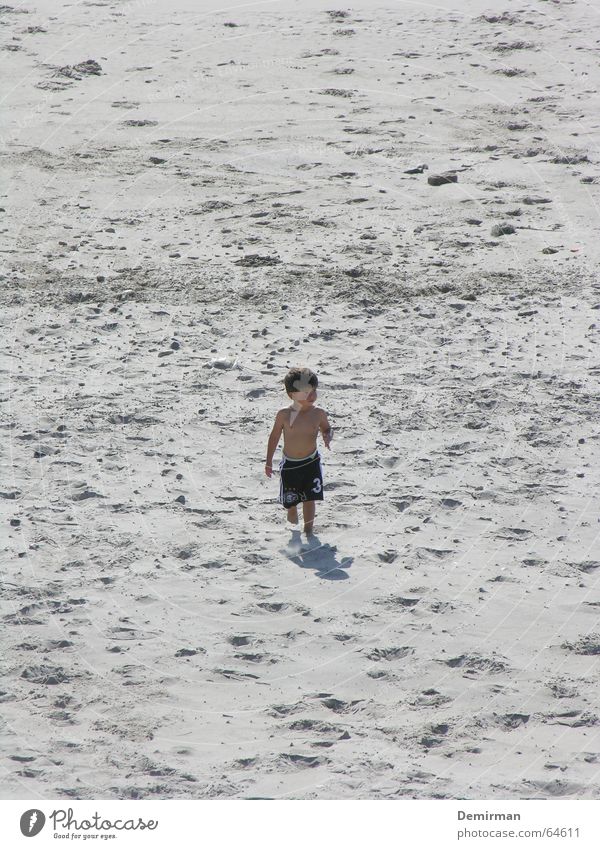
[[300, 480]]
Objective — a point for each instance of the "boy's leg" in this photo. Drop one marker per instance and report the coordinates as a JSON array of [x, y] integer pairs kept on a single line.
[[292, 515], [308, 508]]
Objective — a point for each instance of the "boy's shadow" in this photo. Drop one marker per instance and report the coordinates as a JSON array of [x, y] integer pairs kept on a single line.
[[319, 556]]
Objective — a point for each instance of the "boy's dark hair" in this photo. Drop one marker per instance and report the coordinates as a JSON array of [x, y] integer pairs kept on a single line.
[[300, 379]]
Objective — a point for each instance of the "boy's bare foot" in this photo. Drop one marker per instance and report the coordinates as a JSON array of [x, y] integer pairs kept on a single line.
[[292, 515]]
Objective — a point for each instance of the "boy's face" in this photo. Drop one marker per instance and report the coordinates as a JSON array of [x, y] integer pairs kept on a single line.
[[306, 398]]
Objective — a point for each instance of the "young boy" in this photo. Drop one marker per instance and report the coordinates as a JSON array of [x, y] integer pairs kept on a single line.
[[300, 469]]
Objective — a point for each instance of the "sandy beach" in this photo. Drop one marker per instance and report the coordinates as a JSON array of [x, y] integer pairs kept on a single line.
[[403, 198]]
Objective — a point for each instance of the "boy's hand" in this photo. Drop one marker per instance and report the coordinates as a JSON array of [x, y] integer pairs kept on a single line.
[[326, 429], [268, 470]]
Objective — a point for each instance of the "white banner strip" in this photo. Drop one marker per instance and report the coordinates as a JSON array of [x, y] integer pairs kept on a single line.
[[223, 824]]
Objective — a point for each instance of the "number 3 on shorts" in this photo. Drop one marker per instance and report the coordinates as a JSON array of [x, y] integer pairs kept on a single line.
[[317, 487]]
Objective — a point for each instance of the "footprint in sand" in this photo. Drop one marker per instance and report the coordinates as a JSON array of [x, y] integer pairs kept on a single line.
[[301, 761], [256, 657], [396, 602], [510, 721], [430, 698], [561, 689], [395, 653], [434, 736], [513, 533], [47, 675], [279, 711], [315, 725], [475, 663], [340, 706], [234, 674], [556, 789], [589, 644]]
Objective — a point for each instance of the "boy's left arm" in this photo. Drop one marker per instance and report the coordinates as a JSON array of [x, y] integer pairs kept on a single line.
[[326, 429]]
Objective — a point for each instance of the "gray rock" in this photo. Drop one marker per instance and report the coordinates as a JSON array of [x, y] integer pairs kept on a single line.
[[442, 179], [502, 229]]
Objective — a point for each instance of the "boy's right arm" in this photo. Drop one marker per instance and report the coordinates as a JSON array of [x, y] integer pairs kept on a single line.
[[273, 442]]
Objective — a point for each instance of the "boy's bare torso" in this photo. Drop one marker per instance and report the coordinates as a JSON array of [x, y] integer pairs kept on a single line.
[[300, 438]]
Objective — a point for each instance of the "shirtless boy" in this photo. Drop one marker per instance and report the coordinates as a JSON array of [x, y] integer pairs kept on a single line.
[[300, 469]]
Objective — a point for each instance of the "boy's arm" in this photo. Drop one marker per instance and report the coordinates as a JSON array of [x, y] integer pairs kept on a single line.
[[274, 438], [326, 429]]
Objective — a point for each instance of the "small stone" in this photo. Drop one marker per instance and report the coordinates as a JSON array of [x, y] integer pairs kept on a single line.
[[43, 451], [549, 250], [221, 363], [156, 160], [180, 499], [533, 200], [503, 229], [354, 272], [441, 179]]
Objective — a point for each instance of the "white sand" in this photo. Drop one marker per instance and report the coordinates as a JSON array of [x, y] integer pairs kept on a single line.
[[442, 639]]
